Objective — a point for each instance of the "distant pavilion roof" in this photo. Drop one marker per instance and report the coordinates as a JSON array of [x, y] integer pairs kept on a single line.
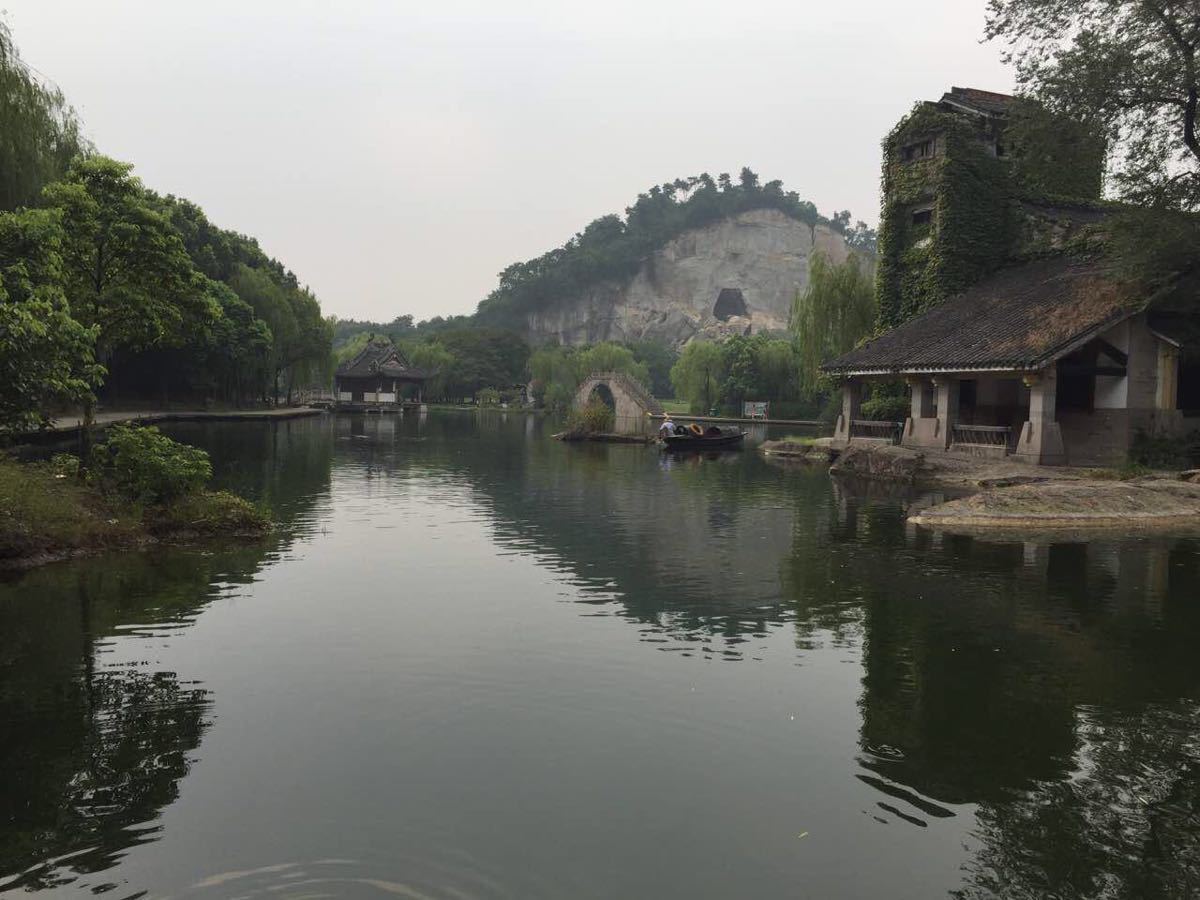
[[380, 358], [1020, 319]]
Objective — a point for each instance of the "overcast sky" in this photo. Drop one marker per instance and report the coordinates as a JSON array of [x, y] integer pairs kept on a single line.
[[398, 155]]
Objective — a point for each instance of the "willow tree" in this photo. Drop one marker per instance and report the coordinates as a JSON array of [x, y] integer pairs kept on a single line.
[[832, 315], [699, 374], [39, 131]]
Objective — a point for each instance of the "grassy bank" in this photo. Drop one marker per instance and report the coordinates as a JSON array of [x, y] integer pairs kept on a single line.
[[46, 515]]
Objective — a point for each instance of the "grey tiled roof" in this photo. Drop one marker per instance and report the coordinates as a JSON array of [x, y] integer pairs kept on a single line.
[[986, 102], [379, 357], [1021, 318]]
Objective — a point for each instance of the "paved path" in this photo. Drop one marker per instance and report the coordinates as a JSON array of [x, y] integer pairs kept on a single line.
[[150, 416]]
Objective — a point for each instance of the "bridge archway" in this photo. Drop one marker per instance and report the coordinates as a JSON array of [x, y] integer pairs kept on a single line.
[[629, 400]]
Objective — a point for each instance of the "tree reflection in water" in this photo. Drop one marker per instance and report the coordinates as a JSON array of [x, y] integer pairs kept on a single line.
[[93, 751], [1042, 683]]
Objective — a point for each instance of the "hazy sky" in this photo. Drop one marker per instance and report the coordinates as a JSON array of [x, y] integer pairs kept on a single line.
[[398, 155]]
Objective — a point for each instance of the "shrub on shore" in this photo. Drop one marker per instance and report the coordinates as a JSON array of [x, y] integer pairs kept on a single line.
[[141, 485], [145, 465], [596, 417]]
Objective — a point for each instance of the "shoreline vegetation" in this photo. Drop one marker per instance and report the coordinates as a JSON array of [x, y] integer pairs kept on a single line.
[[140, 488]]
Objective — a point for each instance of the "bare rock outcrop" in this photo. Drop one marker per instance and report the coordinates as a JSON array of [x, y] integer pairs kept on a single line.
[[736, 276]]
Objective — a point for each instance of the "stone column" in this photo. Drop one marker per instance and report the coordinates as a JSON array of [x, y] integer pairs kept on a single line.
[[1041, 440], [922, 402], [947, 408], [851, 405]]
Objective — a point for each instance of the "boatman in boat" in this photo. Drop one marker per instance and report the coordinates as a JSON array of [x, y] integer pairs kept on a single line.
[[667, 428]]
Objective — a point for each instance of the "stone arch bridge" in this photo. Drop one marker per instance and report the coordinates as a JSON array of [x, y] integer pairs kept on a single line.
[[630, 401]]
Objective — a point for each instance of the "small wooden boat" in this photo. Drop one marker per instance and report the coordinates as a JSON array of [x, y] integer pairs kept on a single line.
[[696, 438]]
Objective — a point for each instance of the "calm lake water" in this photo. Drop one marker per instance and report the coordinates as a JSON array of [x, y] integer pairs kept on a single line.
[[480, 663]]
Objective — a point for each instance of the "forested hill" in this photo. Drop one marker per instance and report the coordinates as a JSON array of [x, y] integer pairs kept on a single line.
[[613, 248]]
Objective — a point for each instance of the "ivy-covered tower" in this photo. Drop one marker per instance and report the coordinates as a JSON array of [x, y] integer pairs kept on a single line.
[[971, 181]]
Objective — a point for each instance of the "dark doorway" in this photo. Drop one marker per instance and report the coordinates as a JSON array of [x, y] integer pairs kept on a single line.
[[730, 303], [604, 394]]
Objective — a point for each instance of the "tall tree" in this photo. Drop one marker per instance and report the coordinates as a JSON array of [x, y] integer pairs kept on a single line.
[[45, 355], [39, 132], [125, 269], [698, 375], [1131, 67], [833, 313]]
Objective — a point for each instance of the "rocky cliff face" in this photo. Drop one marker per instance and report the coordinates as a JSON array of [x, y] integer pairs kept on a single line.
[[736, 276]]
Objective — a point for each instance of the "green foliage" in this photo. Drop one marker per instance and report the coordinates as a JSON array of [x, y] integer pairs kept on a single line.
[[699, 375], [488, 396], [758, 368], [213, 513], [834, 313], [1159, 251], [145, 465], [888, 402], [612, 248], [596, 417], [43, 511], [39, 132], [1162, 452], [46, 356], [125, 270], [483, 357], [432, 357], [1051, 155], [67, 465], [1130, 67], [658, 358], [556, 372]]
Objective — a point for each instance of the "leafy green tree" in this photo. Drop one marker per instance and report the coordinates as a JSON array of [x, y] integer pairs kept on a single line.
[[1130, 67], [126, 271], [301, 337], [484, 357], [832, 315], [146, 465], [699, 374], [46, 356], [39, 132], [436, 360], [758, 367], [658, 358], [610, 357]]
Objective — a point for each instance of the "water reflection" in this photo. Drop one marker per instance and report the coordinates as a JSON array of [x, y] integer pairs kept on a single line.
[[97, 737], [1023, 713]]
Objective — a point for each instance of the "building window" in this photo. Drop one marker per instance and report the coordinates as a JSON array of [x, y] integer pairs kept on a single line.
[[919, 150], [922, 217]]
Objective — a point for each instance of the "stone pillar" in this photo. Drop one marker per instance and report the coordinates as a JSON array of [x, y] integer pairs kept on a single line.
[[851, 405], [1041, 440], [922, 400], [947, 409]]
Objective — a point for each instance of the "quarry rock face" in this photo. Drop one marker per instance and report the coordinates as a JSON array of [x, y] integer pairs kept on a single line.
[[736, 276]]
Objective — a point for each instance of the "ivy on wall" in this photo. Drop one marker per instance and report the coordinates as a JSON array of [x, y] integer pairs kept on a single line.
[[945, 161]]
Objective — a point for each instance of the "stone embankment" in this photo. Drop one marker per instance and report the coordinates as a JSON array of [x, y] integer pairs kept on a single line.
[[1013, 495], [1090, 503]]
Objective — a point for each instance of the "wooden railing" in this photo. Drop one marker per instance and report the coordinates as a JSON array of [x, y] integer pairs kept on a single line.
[[981, 435], [875, 430]]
